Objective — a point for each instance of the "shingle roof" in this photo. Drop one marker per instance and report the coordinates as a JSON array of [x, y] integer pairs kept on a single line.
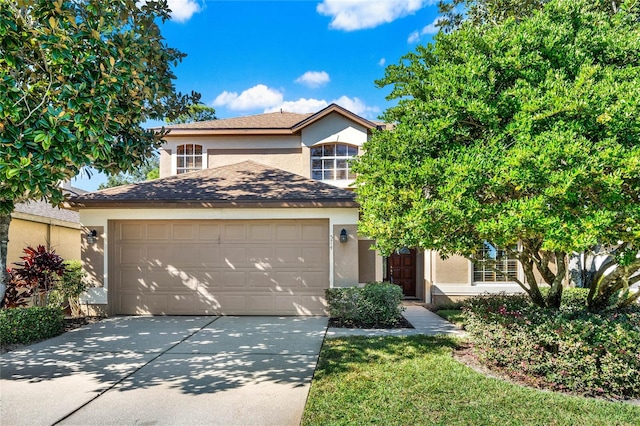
[[273, 123], [246, 183], [273, 120], [44, 209]]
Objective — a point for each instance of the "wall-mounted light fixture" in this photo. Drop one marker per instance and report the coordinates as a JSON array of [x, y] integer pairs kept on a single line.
[[92, 236], [343, 236]]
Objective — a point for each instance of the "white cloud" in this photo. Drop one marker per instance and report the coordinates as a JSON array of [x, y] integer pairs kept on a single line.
[[183, 10], [351, 15], [304, 105], [301, 106], [313, 78], [382, 61], [430, 29], [356, 106], [259, 96]]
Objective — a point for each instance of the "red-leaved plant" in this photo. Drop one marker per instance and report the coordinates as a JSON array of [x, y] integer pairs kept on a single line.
[[40, 270]]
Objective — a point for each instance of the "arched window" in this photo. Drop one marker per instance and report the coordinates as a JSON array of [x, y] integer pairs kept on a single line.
[[188, 158], [331, 161]]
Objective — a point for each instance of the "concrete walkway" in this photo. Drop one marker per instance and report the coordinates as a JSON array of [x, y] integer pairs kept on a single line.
[[165, 371], [423, 320]]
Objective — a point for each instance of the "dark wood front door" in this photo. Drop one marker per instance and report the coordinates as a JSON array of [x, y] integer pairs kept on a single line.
[[401, 270]]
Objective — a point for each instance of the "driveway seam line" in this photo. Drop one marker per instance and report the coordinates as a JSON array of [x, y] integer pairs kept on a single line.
[[132, 373]]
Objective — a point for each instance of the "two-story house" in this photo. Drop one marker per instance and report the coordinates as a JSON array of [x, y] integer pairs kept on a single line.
[[251, 215]]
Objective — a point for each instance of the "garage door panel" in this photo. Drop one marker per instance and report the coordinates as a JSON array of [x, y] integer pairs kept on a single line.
[[314, 233], [158, 232], [131, 255], [232, 280], [235, 232], [315, 257], [209, 232], [132, 232], [260, 232], [183, 232], [259, 279], [313, 279], [272, 267], [287, 232]]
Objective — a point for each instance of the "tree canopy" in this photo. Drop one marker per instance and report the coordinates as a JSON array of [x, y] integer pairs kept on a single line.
[[194, 112], [77, 79], [525, 134]]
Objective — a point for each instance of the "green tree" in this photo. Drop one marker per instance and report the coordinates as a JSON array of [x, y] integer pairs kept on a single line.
[[195, 112], [76, 80], [524, 133], [483, 13], [148, 171]]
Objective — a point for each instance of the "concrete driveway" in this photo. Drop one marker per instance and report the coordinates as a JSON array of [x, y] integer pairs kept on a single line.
[[165, 371]]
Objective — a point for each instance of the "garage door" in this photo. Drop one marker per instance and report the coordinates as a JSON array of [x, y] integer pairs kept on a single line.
[[242, 267]]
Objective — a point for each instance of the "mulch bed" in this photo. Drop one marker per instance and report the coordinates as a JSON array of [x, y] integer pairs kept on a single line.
[[337, 323]]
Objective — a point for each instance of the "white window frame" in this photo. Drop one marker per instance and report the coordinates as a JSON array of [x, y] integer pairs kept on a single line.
[[333, 158], [518, 272], [174, 157]]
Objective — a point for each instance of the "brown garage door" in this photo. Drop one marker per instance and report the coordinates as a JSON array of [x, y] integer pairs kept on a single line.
[[250, 267]]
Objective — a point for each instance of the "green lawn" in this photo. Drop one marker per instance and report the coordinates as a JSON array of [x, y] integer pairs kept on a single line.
[[415, 380], [452, 315]]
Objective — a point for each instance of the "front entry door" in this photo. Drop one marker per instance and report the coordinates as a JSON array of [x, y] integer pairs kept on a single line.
[[401, 270]]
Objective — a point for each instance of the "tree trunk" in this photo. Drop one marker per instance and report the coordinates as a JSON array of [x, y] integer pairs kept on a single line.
[[554, 298], [5, 220]]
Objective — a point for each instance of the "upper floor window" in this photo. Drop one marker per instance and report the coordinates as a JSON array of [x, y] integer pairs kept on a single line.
[[494, 265], [331, 161], [188, 158]]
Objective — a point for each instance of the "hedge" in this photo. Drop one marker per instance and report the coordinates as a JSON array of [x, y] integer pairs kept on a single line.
[[31, 324]]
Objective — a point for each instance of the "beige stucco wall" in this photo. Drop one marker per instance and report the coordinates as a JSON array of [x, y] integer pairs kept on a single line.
[[345, 256], [453, 270], [93, 256], [165, 163], [57, 235], [367, 262], [289, 159]]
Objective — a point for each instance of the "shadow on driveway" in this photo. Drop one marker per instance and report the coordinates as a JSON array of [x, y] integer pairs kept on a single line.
[[166, 370]]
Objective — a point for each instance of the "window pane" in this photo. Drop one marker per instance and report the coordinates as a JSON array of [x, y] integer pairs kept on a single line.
[[198, 162], [197, 149], [316, 164], [316, 151], [328, 175], [181, 150], [316, 174], [180, 162], [341, 150], [189, 149], [341, 164], [353, 151], [341, 174], [327, 164], [329, 150], [352, 175]]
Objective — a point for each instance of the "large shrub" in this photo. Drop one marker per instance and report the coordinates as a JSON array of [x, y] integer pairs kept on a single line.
[[71, 285], [374, 305], [570, 349], [26, 325]]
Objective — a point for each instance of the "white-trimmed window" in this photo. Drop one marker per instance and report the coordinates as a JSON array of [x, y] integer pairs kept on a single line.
[[189, 158], [490, 258], [331, 161]]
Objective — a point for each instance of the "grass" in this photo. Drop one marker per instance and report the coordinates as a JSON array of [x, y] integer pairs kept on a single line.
[[452, 315], [415, 380]]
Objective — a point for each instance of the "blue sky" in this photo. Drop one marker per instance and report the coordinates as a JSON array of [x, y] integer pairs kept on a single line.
[[250, 57]]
